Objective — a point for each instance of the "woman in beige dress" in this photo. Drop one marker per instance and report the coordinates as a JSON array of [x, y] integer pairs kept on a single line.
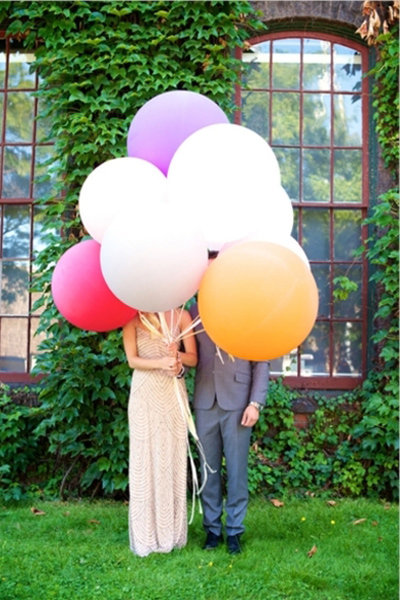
[[158, 430]]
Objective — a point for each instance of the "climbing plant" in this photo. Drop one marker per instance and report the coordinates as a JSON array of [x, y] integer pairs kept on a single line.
[[378, 429], [352, 442], [99, 62]]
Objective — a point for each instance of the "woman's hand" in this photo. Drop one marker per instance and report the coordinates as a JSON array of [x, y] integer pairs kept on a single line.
[[174, 365], [172, 348], [170, 364]]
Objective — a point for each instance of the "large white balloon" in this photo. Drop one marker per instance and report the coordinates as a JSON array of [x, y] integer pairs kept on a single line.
[[227, 176], [114, 185], [275, 216], [272, 217], [153, 259], [276, 238]]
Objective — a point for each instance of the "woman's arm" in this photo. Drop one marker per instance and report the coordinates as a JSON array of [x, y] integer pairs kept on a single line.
[[167, 363], [189, 356]]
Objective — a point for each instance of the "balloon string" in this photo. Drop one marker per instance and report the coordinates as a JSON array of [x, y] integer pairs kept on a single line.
[[218, 351], [196, 488]]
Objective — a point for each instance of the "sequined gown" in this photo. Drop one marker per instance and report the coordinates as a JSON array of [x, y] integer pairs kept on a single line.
[[157, 456]]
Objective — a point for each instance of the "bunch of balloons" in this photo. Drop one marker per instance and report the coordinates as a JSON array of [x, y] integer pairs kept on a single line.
[[191, 182]]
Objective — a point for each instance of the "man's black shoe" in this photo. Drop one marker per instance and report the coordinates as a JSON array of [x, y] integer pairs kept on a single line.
[[212, 541], [233, 543]]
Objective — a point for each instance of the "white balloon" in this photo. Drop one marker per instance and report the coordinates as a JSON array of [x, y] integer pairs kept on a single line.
[[226, 177], [266, 236], [114, 185], [153, 259], [273, 215], [276, 215]]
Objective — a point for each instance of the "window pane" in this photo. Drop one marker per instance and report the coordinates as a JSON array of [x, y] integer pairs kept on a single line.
[[286, 365], [286, 64], [316, 119], [43, 181], [347, 176], [37, 295], [351, 307], [1, 109], [19, 118], [257, 72], [322, 278], [13, 345], [16, 231], [316, 65], [14, 287], [347, 233], [2, 69], [316, 175], [347, 68], [289, 164], [285, 118], [255, 112], [17, 172], [43, 125], [39, 233], [39, 243], [295, 228], [18, 71], [315, 239], [347, 349], [314, 351], [347, 121], [36, 340]]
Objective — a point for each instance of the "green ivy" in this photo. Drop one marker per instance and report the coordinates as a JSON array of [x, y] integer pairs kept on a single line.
[[22, 454], [382, 252], [386, 97], [343, 287], [374, 438], [349, 448], [378, 428], [99, 62]]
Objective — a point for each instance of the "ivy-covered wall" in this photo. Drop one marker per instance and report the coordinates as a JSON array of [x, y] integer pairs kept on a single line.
[[99, 62]]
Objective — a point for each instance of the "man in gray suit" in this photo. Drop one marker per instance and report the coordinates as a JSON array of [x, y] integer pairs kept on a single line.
[[228, 398]]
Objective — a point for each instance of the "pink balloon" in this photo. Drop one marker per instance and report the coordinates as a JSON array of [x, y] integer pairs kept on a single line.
[[165, 121], [81, 294]]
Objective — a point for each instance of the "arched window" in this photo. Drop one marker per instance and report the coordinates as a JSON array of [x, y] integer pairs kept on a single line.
[[305, 94], [23, 152]]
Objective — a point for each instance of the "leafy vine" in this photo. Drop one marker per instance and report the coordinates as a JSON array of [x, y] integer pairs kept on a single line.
[[99, 62]]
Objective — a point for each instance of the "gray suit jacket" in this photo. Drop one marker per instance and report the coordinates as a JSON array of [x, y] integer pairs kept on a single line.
[[234, 383]]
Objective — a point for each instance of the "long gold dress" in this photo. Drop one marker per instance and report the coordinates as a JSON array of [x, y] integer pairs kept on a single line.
[[157, 456]]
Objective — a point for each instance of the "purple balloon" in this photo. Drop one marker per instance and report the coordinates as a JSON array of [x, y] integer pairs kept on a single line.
[[165, 121]]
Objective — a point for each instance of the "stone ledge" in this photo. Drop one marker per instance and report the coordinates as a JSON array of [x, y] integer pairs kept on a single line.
[[348, 13]]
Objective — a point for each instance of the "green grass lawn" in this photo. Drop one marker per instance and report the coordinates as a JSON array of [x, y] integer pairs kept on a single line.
[[79, 551]]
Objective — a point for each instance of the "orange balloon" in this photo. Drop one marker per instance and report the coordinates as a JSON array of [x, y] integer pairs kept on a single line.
[[258, 300]]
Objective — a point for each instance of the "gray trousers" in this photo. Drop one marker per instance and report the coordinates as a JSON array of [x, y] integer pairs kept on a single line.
[[221, 435]]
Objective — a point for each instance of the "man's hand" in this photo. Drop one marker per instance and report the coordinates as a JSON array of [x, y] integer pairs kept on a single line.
[[250, 416]]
